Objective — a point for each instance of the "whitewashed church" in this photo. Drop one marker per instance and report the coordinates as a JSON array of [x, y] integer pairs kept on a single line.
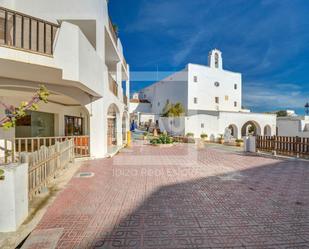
[[212, 98]]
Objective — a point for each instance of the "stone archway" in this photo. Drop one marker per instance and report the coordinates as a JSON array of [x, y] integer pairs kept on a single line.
[[251, 128], [112, 122], [234, 130], [267, 130]]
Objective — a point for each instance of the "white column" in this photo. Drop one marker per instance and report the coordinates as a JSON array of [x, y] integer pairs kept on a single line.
[[97, 129], [120, 97], [119, 128], [128, 82]]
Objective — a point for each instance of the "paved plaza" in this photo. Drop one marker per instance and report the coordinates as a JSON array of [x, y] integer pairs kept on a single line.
[[185, 196]]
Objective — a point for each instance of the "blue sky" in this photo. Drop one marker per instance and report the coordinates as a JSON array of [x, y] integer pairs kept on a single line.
[[266, 40]]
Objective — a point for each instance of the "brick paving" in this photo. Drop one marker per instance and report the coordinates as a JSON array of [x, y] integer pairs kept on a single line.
[[180, 197]]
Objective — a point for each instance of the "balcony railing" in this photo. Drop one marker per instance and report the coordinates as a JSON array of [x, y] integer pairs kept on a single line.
[[112, 30], [25, 32], [113, 86]]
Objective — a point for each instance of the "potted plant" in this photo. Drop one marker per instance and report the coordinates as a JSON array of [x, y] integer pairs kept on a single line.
[[204, 136], [2, 174], [190, 134], [145, 135], [239, 142], [221, 139]]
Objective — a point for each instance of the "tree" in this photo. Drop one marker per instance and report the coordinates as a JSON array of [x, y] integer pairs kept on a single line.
[[281, 113], [116, 28], [12, 113], [173, 110]]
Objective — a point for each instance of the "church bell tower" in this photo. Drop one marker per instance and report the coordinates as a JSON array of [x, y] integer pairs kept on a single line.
[[215, 59]]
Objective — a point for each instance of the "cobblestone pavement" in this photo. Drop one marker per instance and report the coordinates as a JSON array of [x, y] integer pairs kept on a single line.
[[180, 197]]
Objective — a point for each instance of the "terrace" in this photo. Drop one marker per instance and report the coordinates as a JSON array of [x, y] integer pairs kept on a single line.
[[27, 33]]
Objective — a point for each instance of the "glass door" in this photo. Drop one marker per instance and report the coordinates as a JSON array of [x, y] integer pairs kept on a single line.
[[73, 126]]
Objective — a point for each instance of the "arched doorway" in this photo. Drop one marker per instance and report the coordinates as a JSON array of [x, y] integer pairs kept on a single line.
[[251, 128], [267, 130], [112, 114], [234, 130], [124, 126]]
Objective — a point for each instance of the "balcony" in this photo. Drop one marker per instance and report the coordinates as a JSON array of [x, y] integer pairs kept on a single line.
[[24, 32], [125, 99], [113, 86], [112, 30], [117, 45]]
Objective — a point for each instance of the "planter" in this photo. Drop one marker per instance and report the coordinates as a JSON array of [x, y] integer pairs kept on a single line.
[[163, 145], [240, 144], [221, 141]]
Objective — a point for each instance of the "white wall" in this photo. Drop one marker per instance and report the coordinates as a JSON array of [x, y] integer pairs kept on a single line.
[[215, 123], [211, 125], [173, 88], [140, 107], [13, 197], [240, 119], [205, 90], [174, 126], [292, 127], [78, 59], [145, 117]]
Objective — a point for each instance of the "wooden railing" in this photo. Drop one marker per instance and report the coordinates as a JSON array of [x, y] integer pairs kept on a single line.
[[21, 31], [11, 149], [46, 163], [290, 146], [113, 86]]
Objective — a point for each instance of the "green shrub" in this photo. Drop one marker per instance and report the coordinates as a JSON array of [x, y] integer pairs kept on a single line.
[[145, 134], [203, 135], [190, 134], [162, 139], [239, 141]]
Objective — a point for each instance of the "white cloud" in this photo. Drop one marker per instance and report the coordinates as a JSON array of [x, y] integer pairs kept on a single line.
[[275, 96]]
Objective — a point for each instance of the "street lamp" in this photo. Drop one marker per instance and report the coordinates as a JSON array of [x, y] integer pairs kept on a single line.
[[307, 108]]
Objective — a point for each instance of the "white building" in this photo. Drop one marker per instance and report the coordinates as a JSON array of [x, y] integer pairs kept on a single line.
[[71, 47], [140, 110], [212, 98], [293, 126]]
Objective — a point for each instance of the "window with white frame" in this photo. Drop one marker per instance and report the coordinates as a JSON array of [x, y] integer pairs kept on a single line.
[[217, 100], [195, 100], [202, 125], [235, 86], [235, 103], [195, 79]]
